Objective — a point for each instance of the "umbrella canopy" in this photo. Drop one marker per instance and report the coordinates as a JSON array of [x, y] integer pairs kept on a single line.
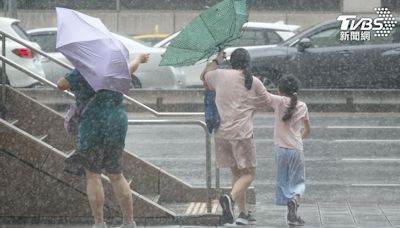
[[207, 34], [92, 49]]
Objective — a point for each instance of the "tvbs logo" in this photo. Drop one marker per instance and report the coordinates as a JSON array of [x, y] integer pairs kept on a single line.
[[381, 25], [349, 22]]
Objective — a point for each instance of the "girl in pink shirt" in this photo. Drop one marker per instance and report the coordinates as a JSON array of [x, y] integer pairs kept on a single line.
[[290, 116]]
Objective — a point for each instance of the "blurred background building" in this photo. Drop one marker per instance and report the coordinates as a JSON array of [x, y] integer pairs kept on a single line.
[[135, 17]]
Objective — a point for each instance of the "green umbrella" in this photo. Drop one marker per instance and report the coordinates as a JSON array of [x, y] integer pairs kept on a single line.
[[207, 34]]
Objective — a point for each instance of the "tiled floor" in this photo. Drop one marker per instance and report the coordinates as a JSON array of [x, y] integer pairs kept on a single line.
[[326, 215]]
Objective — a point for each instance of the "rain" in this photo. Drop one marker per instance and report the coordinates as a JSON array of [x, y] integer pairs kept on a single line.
[[109, 114]]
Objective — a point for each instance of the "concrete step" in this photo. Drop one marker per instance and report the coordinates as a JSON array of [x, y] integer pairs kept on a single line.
[[194, 208]]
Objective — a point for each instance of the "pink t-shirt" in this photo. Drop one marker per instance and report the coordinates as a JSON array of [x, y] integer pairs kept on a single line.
[[288, 134], [236, 104]]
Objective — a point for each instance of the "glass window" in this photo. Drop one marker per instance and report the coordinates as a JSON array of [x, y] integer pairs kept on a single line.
[[259, 38], [47, 41], [393, 5], [326, 38], [393, 37], [395, 34], [273, 38], [246, 39], [20, 31], [285, 34], [251, 38]]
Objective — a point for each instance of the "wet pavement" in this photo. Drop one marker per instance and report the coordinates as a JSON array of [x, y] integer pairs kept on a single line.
[[350, 157], [352, 163], [326, 215]]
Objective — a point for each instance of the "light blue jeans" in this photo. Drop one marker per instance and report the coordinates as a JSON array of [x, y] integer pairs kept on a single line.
[[290, 175]]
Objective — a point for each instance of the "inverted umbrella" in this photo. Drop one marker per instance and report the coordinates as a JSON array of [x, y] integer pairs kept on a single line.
[[92, 49], [207, 34]]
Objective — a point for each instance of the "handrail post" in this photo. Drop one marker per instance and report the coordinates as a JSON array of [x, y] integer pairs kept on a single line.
[[208, 170], [217, 184], [3, 70]]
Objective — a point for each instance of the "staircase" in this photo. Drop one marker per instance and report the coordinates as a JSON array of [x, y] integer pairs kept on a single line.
[[33, 146]]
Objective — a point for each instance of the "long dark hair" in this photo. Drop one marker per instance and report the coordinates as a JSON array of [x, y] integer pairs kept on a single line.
[[240, 60], [289, 86]]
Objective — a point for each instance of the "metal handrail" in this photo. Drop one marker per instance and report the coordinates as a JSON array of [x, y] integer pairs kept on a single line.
[[3, 72], [207, 143], [31, 74], [5, 60], [23, 42]]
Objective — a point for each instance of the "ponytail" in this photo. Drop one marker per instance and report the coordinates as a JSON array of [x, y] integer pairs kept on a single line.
[[248, 78], [291, 109], [289, 86], [240, 60]]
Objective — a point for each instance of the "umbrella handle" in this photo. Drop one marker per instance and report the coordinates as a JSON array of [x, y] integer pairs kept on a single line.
[[224, 53]]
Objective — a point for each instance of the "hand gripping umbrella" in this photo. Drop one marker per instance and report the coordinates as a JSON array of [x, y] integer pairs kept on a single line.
[[208, 33], [91, 48]]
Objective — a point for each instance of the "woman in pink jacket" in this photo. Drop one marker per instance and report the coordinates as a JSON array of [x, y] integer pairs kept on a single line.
[[238, 95]]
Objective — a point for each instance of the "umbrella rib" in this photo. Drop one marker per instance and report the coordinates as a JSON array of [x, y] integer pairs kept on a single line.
[[236, 15], [201, 17], [108, 34], [212, 25]]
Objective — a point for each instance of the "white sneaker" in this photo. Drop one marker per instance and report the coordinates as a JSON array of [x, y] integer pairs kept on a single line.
[[103, 225]]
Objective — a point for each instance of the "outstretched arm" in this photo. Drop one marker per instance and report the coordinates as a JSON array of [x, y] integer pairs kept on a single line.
[[134, 64]]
